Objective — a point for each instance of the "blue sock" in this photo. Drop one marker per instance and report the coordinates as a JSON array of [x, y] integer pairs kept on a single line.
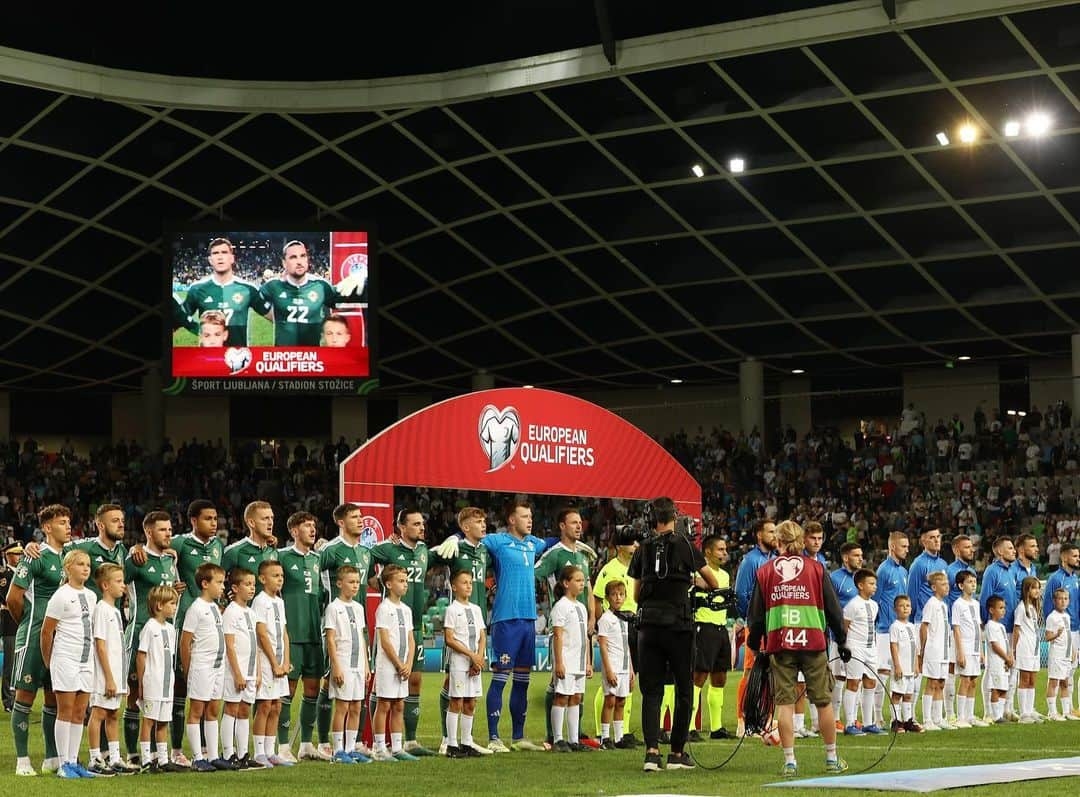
[[494, 702], [519, 703]]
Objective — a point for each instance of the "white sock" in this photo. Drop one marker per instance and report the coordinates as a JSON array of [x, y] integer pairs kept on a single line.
[[243, 736], [228, 736], [1028, 696], [60, 738], [557, 714], [195, 740], [114, 752], [163, 752], [789, 755], [830, 752], [908, 707], [617, 728], [350, 738], [837, 697], [814, 718], [851, 701], [144, 752], [939, 712], [380, 743], [212, 731], [927, 710], [867, 706], [799, 721], [339, 740], [985, 687], [452, 719], [879, 702], [997, 710], [395, 742], [260, 746], [1051, 706], [75, 734], [950, 692], [465, 734], [605, 730], [94, 753], [573, 720]]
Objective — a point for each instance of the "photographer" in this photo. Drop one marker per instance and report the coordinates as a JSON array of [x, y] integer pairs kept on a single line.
[[792, 602], [662, 570]]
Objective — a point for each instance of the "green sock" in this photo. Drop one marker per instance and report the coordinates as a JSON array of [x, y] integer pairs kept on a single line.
[[444, 706], [20, 729], [48, 727], [325, 707], [549, 701], [412, 716], [131, 731], [667, 705], [309, 709], [284, 723], [178, 725], [716, 707], [598, 707]]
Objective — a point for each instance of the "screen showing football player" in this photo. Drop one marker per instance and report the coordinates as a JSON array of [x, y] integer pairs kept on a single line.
[[335, 332], [302, 300], [213, 329], [225, 292]]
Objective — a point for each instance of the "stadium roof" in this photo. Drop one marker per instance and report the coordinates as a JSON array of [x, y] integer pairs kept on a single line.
[[540, 218]]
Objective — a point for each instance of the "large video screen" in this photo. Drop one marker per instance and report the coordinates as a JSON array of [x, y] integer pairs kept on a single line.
[[289, 305]]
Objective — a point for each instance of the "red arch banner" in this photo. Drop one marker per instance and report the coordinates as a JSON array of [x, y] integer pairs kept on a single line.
[[513, 440]]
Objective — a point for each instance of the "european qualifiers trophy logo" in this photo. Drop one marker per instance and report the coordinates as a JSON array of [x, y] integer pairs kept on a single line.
[[788, 567], [500, 433], [237, 358]]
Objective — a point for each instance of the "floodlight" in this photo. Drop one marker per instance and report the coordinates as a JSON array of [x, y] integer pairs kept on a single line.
[[797, 371], [942, 138], [676, 381], [964, 357], [1037, 123], [737, 165], [1012, 128], [697, 170], [968, 133]]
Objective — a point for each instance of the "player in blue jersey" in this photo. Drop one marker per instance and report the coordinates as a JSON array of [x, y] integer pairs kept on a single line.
[[998, 581], [963, 559], [892, 579], [745, 579], [929, 561], [843, 581]]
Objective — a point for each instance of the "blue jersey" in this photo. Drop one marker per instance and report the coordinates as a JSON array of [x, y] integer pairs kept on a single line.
[[1019, 573], [515, 580], [892, 580], [954, 591], [1070, 582], [843, 581], [918, 587], [747, 577], [997, 580], [819, 556]]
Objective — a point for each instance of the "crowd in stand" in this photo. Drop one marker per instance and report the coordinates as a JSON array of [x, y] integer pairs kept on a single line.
[[1008, 474]]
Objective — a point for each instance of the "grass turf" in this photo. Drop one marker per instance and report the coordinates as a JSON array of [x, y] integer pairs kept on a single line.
[[596, 773]]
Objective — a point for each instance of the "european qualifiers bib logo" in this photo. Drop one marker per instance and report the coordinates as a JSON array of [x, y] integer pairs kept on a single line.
[[788, 567], [500, 433]]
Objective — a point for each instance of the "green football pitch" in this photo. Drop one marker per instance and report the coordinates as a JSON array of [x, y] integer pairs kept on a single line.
[[260, 331], [596, 773]]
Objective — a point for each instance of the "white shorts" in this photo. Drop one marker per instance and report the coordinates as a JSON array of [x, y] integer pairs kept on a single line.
[[157, 710], [352, 689], [997, 680], [621, 689], [71, 676], [971, 667], [206, 683], [234, 695], [936, 670], [388, 685], [837, 666], [884, 654], [856, 669], [272, 688], [464, 685], [1027, 663], [570, 685], [1059, 669], [905, 685], [106, 703]]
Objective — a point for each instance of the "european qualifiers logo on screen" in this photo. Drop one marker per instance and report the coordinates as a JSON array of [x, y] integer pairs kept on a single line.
[[252, 307]]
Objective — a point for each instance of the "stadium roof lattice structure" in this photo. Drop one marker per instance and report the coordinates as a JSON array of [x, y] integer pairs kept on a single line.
[[539, 217]]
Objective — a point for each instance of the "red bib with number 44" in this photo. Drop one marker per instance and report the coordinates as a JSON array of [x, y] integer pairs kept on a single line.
[[794, 605]]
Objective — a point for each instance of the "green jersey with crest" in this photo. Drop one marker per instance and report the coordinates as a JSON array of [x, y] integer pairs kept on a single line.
[[475, 559], [302, 593], [190, 553], [159, 569], [99, 555], [336, 553], [299, 310], [415, 562], [39, 578], [246, 554], [551, 563], [234, 299]]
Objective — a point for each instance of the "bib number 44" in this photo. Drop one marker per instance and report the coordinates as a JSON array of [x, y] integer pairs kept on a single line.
[[793, 639]]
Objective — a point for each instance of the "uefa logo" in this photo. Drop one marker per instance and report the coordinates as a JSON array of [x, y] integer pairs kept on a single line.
[[500, 433], [237, 359], [371, 533]]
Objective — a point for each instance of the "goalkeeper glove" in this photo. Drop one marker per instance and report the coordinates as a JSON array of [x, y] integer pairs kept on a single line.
[[354, 284], [448, 549]]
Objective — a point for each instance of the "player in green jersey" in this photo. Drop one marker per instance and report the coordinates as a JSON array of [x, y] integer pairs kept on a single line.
[[473, 557], [301, 301], [408, 550], [565, 552], [106, 547], [344, 549], [302, 594], [223, 291], [258, 546], [35, 582], [158, 569]]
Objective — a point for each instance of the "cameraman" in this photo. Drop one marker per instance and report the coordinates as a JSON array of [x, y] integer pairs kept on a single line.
[[792, 602], [661, 572]]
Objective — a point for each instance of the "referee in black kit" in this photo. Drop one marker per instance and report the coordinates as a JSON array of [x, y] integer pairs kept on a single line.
[[661, 573]]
